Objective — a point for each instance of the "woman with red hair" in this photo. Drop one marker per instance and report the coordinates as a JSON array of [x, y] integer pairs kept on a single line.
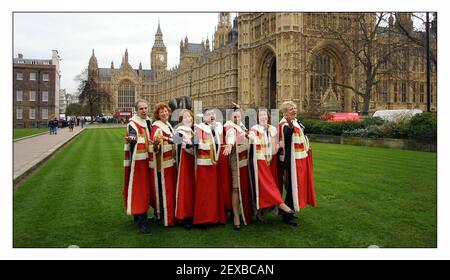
[[162, 162]]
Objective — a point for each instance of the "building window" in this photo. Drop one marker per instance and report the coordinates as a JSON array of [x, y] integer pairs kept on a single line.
[[32, 96], [19, 76], [32, 76], [45, 77], [384, 93], [403, 91], [126, 96], [19, 95], [44, 114], [422, 64], [395, 92], [19, 113], [45, 96], [421, 92], [405, 61], [323, 75], [32, 113], [414, 89]]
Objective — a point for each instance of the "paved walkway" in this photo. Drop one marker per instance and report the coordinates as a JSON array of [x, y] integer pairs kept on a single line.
[[31, 152]]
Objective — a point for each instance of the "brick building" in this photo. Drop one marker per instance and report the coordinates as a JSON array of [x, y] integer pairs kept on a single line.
[[36, 85]]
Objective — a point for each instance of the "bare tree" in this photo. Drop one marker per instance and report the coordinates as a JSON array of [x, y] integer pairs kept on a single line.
[[374, 48], [91, 94], [417, 36]]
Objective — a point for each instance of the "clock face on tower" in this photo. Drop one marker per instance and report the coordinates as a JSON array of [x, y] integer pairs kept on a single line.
[[160, 57]]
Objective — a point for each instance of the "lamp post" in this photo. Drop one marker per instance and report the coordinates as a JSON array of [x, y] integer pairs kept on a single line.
[[190, 84], [428, 61]]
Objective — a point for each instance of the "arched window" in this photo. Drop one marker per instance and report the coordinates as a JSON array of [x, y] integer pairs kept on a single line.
[[323, 74], [126, 96]]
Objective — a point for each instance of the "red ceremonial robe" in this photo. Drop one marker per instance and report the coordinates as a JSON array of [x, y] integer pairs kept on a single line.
[[302, 180], [265, 170], [136, 189], [184, 207], [225, 175], [208, 203], [235, 135], [164, 162]]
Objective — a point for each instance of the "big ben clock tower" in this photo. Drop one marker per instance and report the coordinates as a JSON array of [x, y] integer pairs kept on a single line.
[[158, 58]]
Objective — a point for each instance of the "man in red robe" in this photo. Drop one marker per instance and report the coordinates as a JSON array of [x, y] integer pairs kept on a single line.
[[136, 191]]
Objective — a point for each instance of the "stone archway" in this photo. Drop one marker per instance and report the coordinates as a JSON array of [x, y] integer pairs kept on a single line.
[[268, 79]]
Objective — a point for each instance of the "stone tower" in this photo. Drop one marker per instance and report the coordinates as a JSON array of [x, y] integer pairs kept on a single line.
[[222, 30], [93, 66], [158, 59]]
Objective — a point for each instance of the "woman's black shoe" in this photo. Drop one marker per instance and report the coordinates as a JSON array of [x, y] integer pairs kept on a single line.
[[261, 219], [238, 226]]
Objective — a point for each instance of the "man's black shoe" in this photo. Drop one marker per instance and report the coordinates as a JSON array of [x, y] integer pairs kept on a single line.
[[291, 223], [143, 228], [187, 226]]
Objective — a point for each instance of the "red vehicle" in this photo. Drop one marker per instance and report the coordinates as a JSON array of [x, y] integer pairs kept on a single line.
[[341, 117]]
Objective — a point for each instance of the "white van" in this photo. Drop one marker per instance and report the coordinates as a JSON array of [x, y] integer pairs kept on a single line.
[[390, 115]]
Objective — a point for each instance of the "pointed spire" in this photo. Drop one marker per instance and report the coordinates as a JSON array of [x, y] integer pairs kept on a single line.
[[93, 61], [391, 20], [126, 55], [140, 66], [159, 28], [112, 64]]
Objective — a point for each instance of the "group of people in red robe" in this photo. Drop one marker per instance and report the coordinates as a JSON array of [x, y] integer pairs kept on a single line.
[[197, 174]]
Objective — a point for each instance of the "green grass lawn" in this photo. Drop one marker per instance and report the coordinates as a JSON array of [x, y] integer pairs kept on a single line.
[[105, 124], [365, 196], [22, 132]]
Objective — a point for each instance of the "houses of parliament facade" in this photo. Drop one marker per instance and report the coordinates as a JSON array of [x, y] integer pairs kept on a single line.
[[263, 59]]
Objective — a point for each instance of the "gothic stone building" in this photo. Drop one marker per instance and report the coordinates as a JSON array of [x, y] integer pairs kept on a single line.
[[263, 59]]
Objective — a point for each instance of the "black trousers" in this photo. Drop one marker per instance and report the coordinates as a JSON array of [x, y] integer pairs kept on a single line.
[[288, 187]]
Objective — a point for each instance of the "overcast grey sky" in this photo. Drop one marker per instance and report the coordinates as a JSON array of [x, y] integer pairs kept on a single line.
[[74, 35]]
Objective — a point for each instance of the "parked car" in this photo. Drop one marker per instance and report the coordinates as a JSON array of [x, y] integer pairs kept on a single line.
[[341, 117], [62, 123]]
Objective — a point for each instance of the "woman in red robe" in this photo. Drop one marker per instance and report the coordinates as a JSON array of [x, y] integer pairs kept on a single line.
[[296, 158], [264, 163], [164, 167], [208, 203], [184, 199], [237, 149]]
